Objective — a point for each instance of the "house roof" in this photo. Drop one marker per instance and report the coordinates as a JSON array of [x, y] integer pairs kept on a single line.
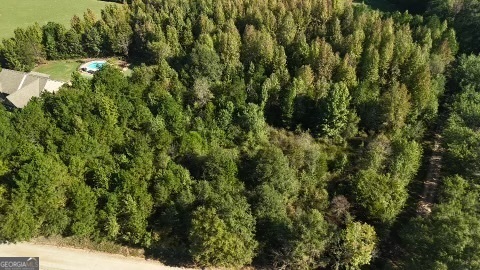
[[21, 97], [20, 87], [29, 78], [10, 80]]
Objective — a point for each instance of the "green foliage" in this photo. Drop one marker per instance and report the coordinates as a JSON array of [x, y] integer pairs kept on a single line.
[[135, 208], [83, 210], [358, 244], [338, 101], [18, 220], [463, 15], [205, 62], [53, 38], [449, 236], [468, 71], [311, 240], [396, 103], [116, 29], [272, 168], [461, 134], [92, 41], [24, 50], [274, 189], [214, 243], [45, 179], [265, 133], [382, 188]]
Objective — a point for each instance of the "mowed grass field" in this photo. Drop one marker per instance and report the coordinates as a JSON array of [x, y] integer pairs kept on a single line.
[[59, 70], [22, 13]]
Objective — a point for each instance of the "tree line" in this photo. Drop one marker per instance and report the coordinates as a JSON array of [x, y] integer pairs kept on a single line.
[[462, 15], [88, 36], [279, 133]]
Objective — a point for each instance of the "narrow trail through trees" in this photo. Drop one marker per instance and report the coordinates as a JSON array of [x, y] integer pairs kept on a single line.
[[433, 177]]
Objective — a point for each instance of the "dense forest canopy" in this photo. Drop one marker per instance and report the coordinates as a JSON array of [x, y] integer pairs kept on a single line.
[[462, 15], [282, 133]]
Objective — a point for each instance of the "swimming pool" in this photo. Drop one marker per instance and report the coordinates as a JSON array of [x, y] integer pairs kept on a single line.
[[95, 65]]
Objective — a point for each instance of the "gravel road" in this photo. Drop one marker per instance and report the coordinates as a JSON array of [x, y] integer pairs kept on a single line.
[[63, 258]]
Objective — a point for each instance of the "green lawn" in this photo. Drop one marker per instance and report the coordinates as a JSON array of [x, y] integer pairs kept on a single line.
[[21, 13], [59, 70]]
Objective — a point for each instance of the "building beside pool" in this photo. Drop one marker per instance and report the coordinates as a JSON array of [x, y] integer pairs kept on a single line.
[[17, 88]]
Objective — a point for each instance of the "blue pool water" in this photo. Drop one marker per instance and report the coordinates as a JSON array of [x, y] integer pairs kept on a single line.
[[95, 66]]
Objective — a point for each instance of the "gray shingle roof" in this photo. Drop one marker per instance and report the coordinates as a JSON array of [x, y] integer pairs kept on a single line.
[[21, 97], [10, 80], [33, 77], [20, 87]]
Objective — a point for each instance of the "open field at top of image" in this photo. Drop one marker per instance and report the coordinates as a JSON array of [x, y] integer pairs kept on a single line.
[[22, 13]]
